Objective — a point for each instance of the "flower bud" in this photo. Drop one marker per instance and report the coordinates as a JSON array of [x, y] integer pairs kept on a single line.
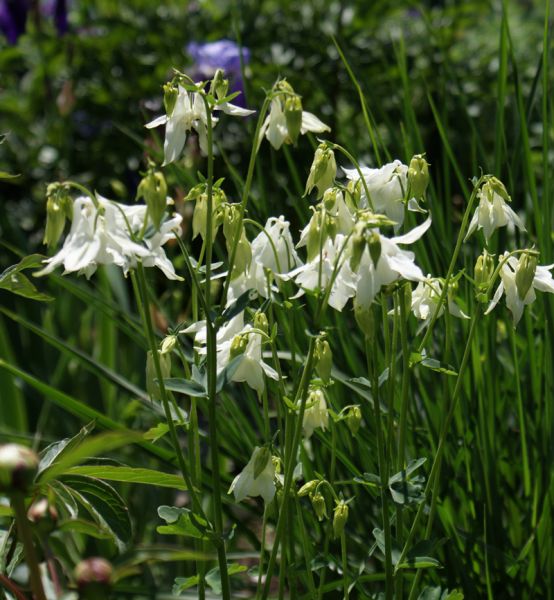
[[171, 92], [18, 468], [260, 322], [59, 206], [353, 419], [374, 245], [94, 578], [330, 199], [358, 246], [316, 413], [293, 116], [495, 185], [220, 85], [324, 359], [364, 319], [44, 515], [323, 170], [340, 516], [525, 273], [307, 488], [482, 273], [152, 386], [168, 344], [314, 236], [238, 346], [418, 176], [319, 505], [261, 460], [153, 188]]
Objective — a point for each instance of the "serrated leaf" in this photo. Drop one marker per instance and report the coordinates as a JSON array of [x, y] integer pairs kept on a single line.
[[213, 578], [130, 475], [182, 584], [157, 432], [106, 504], [181, 521]]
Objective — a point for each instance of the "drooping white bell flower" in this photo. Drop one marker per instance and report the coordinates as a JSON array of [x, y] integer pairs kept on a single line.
[[316, 413], [519, 280], [189, 112], [101, 235], [387, 188], [393, 264], [330, 267], [275, 126], [425, 299], [257, 478], [493, 210]]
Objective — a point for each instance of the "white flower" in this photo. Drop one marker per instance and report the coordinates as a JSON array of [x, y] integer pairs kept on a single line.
[[343, 219], [257, 478], [329, 267], [190, 113], [251, 367], [316, 414], [275, 125], [425, 299], [387, 188], [493, 211], [101, 236], [513, 270], [393, 264], [273, 250]]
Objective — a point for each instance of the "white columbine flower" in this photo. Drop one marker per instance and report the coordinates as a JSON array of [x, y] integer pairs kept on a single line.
[[190, 113], [387, 188], [275, 125], [425, 299], [519, 280], [330, 267], [493, 210], [393, 264], [257, 478], [316, 414], [102, 236]]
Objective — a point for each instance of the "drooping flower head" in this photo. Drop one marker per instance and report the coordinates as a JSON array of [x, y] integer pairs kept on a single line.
[[425, 299], [257, 478]]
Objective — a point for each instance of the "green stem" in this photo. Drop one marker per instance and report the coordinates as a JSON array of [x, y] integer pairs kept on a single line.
[[18, 506], [374, 378], [344, 565], [434, 476]]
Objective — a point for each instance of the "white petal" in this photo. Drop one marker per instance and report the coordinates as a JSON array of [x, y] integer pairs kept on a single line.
[[175, 138], [233, 110], [496, 298], [161, 120], [413, 235], [311, 123]]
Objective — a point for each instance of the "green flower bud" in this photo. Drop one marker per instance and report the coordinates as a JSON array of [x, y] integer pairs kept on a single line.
[[94, 578], [330, 199], [263, 456], [365, 319], [171, 91], [359, 243], [59, 206], [418, 176], [319, 505], [340, 516], [18, 468], [152, 386], [220, 85], [44, 515], [324, 359], [495, 185], [525, 273], [482, 273], [374, 245], [314, 236], [353, 419], [153, 188], [260, 322], [323, 171], [307, 488], [238, 346], [200, 215], [293, 116], [168, 344], [284, 86]]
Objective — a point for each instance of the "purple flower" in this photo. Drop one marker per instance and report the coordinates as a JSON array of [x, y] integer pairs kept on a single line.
[[223, 54], [13, 18], [58, 10]]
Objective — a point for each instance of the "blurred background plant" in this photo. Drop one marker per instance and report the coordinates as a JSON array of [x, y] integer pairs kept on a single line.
[[462, 81]]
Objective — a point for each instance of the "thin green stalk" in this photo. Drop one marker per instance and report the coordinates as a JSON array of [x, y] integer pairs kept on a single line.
[[371, 353], [211, 371], [345, 584], [434, 476], [290, 457], [26, 535]]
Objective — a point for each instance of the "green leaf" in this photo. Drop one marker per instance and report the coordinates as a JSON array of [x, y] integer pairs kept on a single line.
[[14, 281], [84, 527], [182, 584], [4, 175], [157, 432], [5, 511], [130, 475], [213, 578], [225, 376], [181, 521], [104, 442], [58, 449], [185, 386], [407, 489], [103, 502], [420, 562]]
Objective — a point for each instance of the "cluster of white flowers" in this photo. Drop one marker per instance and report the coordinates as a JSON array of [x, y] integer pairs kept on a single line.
[[102, 233]]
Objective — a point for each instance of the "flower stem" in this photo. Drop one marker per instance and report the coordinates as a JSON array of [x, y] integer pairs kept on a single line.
[[344, 565], [18, 506]]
